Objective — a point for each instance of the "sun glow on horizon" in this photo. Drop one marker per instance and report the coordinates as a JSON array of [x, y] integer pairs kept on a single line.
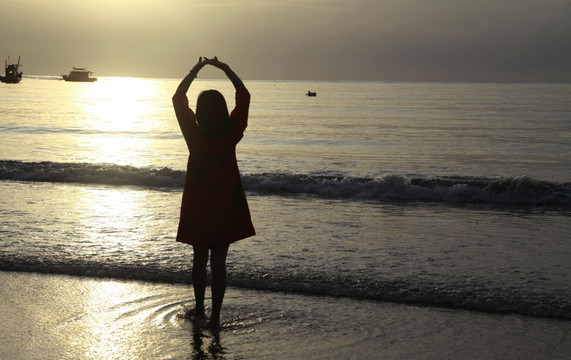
[[118, 116], [120, 104]]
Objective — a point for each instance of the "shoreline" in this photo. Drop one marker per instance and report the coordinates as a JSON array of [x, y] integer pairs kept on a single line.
[[59, 316]]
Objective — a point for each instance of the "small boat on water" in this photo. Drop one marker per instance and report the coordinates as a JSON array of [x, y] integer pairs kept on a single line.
[[79, 75], [311, 93], [12, 73]]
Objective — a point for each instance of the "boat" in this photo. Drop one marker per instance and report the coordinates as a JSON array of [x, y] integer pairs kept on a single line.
[[79, 75], [311, 93], [12, 75]]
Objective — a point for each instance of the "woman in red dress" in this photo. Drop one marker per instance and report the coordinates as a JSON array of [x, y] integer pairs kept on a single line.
[[214, 211]]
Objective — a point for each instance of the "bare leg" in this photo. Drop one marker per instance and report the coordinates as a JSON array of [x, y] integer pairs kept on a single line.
[[218, 267], [199, 263]]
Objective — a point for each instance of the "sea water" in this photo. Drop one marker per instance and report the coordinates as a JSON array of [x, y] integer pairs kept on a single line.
[[453, 195]]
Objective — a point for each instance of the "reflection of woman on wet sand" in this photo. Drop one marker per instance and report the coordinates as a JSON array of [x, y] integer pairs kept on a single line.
[[214, 212]]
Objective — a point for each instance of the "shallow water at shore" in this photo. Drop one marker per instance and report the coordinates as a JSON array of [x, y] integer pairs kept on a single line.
[[467, 257], [61, 317]]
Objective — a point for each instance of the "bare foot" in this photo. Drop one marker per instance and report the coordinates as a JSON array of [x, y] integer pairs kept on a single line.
[[193, 313]]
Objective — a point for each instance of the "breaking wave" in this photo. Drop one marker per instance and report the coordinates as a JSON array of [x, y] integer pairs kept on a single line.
[[509, 191]]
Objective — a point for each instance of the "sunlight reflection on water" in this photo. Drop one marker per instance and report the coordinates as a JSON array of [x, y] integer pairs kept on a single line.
[[115, 111], [120, 104]]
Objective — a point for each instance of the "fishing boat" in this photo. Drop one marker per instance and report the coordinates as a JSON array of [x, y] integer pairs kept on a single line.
[[79, 75], [311, 93], [12, 73]]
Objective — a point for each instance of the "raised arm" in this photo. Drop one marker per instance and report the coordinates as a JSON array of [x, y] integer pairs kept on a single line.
[[184, 114], [236, 81], [185, 83]]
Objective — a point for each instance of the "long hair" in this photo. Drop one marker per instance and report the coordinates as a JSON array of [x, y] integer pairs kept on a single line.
[[212, 114]]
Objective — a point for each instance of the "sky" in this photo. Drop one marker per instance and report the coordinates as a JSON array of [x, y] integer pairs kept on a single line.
[[370, 40]]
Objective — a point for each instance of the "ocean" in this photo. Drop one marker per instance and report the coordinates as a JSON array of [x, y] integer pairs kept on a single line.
[[448, 197]]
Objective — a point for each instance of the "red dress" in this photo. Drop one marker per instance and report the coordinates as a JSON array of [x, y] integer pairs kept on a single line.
[[214, 210]]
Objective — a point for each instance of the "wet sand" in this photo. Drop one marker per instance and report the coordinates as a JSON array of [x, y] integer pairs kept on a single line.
[[61, 317]]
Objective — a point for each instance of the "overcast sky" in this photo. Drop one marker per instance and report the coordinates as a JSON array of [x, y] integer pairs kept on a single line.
[[445, 40]]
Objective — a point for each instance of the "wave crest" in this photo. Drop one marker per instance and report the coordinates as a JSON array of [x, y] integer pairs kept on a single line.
[[510, 191]]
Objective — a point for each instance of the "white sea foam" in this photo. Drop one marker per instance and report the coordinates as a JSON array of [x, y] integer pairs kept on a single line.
[[504, 190]]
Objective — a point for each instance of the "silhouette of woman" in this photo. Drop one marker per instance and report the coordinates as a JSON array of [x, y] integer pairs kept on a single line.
[[214, 211]]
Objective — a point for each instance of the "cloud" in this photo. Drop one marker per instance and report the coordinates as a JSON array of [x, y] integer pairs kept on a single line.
[[445, 40]]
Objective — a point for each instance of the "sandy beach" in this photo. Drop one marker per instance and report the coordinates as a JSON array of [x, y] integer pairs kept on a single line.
[[61, 317]]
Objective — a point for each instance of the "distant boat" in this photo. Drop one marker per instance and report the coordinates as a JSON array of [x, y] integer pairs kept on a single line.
[[12, 75], [311, 93], [79, 75]]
